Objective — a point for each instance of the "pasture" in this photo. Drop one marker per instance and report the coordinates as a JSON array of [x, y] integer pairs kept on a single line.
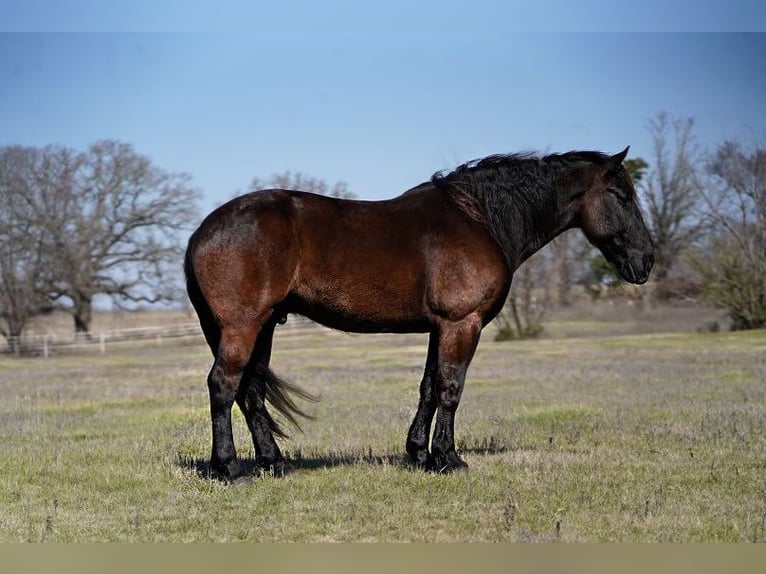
[[628, 437]]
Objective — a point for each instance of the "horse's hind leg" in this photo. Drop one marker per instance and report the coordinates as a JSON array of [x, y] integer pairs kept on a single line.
[[232, 357], [252, 401]]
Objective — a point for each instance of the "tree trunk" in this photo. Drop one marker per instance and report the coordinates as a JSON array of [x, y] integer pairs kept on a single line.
[[13, 336], [647, 297], [83, 314], [14, 344], [562, 251], [516, 317]]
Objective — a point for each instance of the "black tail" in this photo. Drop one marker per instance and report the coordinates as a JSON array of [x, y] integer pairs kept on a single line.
[[275, 391]]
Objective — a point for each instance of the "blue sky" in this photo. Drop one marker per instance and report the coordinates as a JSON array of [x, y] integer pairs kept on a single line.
[[359, 99]]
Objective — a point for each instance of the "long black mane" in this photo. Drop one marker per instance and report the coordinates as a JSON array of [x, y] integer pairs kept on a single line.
[[508, 193]]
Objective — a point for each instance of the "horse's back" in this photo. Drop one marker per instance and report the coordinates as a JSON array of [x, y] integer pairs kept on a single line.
[[362, 263]]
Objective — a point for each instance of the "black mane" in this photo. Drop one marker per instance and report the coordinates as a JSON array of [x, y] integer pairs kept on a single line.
[[509, 192], [506, 164]]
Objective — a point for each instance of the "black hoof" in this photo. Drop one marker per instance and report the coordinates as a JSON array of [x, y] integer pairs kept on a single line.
[[419, 459], [446, 464], [230, 472]]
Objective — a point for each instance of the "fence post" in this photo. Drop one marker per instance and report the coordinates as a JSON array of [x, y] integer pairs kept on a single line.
[[102, 343], [45, 346]]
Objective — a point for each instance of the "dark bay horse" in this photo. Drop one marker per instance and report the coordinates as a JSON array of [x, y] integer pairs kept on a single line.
[[438, 259]]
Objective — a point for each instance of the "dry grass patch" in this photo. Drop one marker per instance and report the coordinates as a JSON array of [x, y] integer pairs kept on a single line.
[[635, 438]]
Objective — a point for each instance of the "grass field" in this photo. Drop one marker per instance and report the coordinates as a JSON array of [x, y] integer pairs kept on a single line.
[[650, 437]]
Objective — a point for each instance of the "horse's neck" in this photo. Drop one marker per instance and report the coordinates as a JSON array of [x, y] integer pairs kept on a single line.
[[539, 225]]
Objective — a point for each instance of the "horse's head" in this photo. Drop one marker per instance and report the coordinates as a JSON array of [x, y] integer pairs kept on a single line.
[[609, 215]]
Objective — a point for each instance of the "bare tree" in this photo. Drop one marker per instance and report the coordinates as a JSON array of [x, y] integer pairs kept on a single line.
[[113, 224], [24, 266], [302, 182], [131, 217], [671, 190], [529, 299], [732, 264], [564, 249]]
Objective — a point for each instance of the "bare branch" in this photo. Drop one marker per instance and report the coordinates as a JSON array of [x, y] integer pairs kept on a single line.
[[671, 190], [732, 265]]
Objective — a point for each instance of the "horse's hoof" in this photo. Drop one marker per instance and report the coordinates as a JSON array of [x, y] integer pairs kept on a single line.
[[230, 472], [419, 460], [447, 464]]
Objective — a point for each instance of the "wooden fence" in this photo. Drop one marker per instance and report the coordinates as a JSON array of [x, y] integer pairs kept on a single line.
[[102, 341]]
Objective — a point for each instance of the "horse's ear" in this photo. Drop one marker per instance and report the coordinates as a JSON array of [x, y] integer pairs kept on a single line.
[[618, 158]]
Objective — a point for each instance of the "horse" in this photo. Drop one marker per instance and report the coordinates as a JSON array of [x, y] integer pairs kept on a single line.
[[437, 259]]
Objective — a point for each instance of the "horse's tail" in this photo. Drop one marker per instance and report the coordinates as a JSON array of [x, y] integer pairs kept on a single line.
[[276, 391]]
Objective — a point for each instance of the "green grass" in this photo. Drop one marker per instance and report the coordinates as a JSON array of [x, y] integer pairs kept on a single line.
[[630, 438]]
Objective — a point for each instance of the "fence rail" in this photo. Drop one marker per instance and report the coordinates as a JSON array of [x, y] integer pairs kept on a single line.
[[50, 344]]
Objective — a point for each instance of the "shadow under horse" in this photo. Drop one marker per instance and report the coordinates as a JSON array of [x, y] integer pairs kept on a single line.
[[438, 259]]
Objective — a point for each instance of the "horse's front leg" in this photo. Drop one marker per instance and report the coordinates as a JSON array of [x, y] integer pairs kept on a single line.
[[457, 344]]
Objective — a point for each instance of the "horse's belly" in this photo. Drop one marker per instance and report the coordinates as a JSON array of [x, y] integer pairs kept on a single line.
[[356, 324], [369, 304]]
